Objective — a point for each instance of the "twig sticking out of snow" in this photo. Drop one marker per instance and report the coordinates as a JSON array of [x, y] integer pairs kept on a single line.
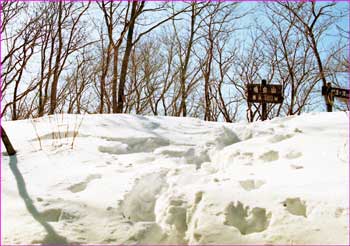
[[76, 128], [32, 121]]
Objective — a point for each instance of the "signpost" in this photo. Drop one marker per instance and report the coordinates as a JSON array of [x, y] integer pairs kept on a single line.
[[263, 93], [9, 148], [331, 92]]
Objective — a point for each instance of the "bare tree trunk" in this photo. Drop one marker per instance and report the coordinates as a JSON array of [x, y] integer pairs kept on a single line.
[[9, 148], [105, 66], [44, 94], [53, 102], [110, 14], [115, 80], [183, 76], [125, 61], [183, 107], [207, 73]]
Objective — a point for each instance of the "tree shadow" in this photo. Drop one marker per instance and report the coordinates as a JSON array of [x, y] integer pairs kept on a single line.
[[52, 237]]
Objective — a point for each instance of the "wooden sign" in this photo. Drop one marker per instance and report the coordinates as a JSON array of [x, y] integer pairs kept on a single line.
[[330, 92], [263, 93], [336, 92], [259, 93]]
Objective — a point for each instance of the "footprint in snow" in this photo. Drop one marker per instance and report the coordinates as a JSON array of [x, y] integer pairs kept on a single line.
[[293, 155], [251, 184], [295, 206], [280, 138], [269, 156], [247, 220], [81, 186]]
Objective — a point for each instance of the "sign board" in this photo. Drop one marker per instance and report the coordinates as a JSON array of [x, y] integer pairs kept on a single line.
[[259, 93], [336, 92], [264, 93]]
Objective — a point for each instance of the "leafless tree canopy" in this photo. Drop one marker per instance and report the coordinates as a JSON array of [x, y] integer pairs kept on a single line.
[[191, 59]]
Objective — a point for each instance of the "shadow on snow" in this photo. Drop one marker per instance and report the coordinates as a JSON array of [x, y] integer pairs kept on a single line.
[[52, 237]]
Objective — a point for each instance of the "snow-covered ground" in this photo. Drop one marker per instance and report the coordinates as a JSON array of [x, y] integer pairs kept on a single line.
[[135, 179]]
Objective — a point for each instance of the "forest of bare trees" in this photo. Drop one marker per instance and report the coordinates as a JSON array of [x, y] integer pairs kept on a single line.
[[191, 59]]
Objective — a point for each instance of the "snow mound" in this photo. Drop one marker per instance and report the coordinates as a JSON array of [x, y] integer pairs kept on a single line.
[[126, 179]]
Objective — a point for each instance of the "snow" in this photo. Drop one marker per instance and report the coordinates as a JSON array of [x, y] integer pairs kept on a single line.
[[133, 179]]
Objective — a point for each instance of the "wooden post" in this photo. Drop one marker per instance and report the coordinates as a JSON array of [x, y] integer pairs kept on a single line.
[[329, 98], [263, 105], [9, 148]]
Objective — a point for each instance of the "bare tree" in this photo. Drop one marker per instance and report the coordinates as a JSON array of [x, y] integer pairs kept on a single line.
[[20, 45], [294, 61], [69, 39], [313, 20], [137, 9], [217, 27], [185, 49], [115, 14], [174, 59]]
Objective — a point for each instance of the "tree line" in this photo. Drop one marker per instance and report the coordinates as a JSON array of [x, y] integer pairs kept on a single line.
[[190, 59]]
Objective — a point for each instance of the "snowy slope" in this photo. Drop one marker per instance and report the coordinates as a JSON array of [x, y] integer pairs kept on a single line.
[[136, 179]]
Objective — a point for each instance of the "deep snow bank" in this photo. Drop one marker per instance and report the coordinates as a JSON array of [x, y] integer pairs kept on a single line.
[[135, 179]]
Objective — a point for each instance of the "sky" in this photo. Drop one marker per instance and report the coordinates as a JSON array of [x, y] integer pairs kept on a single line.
[[242, 35]]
